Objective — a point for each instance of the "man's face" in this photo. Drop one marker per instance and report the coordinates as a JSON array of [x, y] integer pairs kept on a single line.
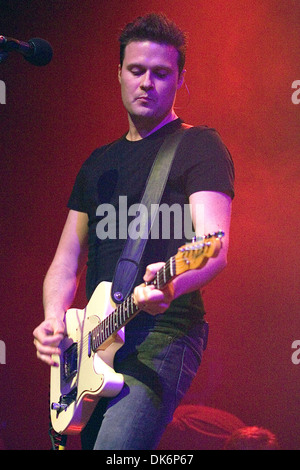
[[149, 80]]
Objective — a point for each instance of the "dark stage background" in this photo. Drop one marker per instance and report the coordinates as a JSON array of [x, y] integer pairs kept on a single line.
[[243, 60]]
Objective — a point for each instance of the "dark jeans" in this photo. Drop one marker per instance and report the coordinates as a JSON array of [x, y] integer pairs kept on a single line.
[[158, 370]]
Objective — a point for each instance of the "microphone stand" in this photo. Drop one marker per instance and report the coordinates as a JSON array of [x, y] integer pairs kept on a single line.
[[3, 54]]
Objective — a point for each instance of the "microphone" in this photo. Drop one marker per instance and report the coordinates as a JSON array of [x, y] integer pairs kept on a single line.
[[36, 51]]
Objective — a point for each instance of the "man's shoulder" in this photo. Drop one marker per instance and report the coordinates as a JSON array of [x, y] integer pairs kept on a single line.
[[200, 134], [199, 128], [101, 152]]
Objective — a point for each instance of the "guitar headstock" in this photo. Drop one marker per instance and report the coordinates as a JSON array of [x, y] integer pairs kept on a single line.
[[195, 254]]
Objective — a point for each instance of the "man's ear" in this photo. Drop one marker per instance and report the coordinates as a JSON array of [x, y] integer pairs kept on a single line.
[[119, 72], [181, 79]]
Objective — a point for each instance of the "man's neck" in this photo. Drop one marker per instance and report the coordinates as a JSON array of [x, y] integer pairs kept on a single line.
[[141, 128]]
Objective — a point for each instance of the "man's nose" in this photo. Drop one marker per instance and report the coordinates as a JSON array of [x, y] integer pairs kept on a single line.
[[147, 82]]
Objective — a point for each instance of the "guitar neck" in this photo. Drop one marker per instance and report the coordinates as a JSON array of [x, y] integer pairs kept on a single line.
[[127, 310], [190, 256]]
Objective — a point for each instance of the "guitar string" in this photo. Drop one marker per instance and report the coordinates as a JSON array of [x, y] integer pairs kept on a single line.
[[119, 312], [123, 312]]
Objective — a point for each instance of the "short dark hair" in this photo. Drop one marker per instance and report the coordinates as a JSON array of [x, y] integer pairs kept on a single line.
[[158, 28]]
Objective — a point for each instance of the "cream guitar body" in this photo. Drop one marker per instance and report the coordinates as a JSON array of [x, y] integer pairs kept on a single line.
[[85, 370]]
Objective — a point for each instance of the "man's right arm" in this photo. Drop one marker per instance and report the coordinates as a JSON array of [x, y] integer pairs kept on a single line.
[[61, 283]]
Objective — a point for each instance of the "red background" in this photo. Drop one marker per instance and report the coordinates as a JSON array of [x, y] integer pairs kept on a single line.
[[243, 57]]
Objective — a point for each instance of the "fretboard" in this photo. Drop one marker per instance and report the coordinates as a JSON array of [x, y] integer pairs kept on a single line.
[[127, 310]]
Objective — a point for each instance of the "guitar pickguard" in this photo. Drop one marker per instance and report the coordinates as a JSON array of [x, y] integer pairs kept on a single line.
[[83, 376]]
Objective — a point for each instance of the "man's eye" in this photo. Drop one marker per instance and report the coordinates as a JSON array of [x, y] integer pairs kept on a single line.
[[136, 72], [161, 74]]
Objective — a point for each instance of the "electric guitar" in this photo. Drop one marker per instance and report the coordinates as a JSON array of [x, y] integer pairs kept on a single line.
[[94, 334]]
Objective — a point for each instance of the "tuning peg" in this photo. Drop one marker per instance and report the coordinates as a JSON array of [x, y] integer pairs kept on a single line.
[[220, 234], [197, 239]]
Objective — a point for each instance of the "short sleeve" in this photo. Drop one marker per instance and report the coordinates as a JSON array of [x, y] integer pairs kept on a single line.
[[209, 163], [83, 193], [77, 197]]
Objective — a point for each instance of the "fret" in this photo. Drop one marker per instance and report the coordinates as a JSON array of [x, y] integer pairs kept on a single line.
[[103, 331], [110, 325], [161, 282], [168, 271], [109, 332], [158, 280], [171, 267], [123, 312], [106, 332], [120, 314], [116, 323], [165, 274], [134, 308], [93, 338], [101, 334], [117, 317], [96, 337], [127, 308], [130, 305], [173, 273]]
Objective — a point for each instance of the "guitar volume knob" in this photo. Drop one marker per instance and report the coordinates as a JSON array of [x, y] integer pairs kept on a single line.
[[58, 406]]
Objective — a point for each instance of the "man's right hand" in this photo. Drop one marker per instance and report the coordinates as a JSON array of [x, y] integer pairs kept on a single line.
[[47, 337]]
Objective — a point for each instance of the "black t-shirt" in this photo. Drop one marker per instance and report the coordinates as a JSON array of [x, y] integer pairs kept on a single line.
[[114, 177]]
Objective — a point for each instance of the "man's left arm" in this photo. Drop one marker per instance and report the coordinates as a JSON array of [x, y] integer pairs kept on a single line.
[[211, 212]]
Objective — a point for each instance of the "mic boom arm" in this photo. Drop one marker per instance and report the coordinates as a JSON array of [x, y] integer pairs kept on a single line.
[[36, 51]]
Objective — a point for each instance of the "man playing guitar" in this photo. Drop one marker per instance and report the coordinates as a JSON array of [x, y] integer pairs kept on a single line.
[[164, 343]]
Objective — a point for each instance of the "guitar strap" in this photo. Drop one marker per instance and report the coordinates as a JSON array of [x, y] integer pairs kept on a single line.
[[128, 264]]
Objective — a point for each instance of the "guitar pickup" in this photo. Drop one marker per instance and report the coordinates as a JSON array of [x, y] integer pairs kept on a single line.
[[69, 366]]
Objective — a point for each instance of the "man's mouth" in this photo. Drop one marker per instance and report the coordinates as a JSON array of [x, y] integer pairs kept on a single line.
[[144, 98]]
